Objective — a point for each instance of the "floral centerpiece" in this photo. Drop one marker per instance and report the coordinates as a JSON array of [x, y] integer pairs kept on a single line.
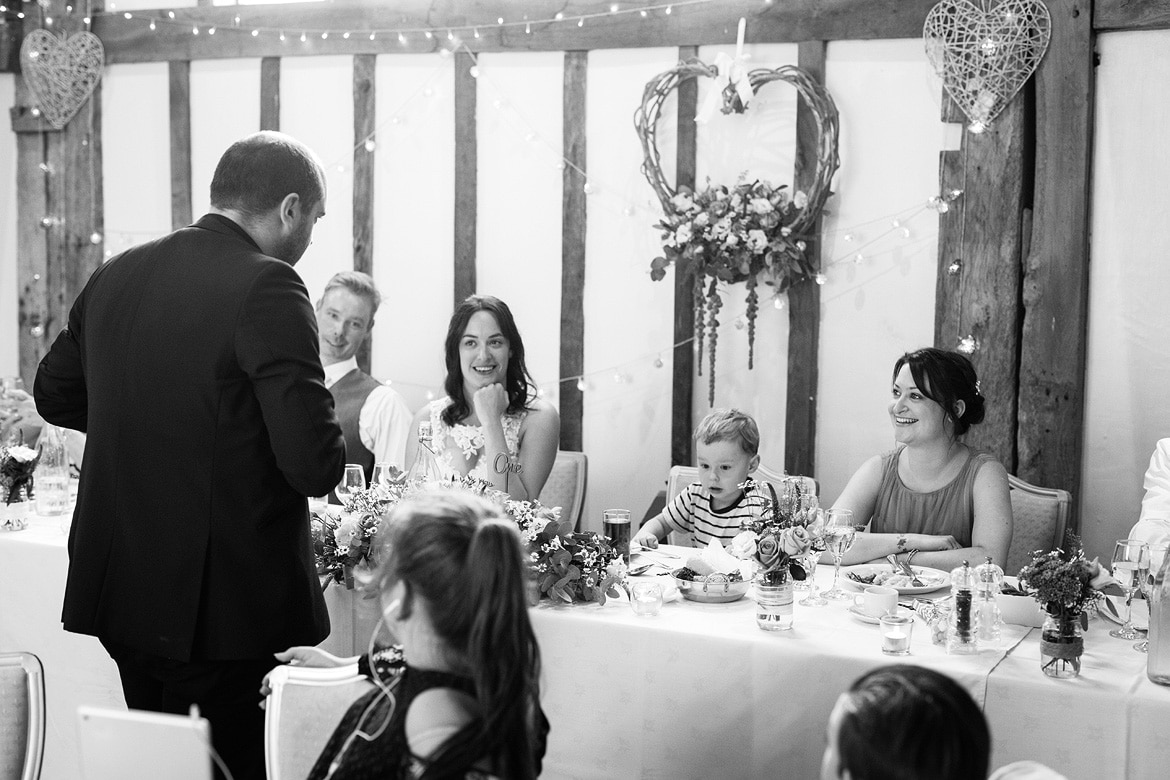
[[741, 234], [567, 565], [17, 464], [343, 537], [785, 530], [1066, 584]]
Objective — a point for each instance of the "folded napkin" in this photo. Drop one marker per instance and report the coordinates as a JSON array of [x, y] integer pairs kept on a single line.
[[714, 559], [1103, 580]]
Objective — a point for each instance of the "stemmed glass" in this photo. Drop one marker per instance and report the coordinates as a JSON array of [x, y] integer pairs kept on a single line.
[[1157, 558], [354, 481], [1131, 561], [380, 477], [839, 533]]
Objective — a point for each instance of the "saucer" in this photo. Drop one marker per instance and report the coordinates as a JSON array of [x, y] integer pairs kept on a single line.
[[865, 617]]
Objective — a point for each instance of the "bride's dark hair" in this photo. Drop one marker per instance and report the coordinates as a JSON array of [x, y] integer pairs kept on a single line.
[[518, 383]]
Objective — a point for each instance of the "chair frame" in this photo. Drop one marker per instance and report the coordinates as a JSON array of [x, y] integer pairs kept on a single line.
[[307, 676], [34, 677], [573, 512], [1063, 501]]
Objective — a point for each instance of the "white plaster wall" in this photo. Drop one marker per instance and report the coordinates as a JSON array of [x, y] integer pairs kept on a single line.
[[874, 311], [1126, 405], [414, 182], [225, 107], [316, 107], [9, 294], [136, 154]]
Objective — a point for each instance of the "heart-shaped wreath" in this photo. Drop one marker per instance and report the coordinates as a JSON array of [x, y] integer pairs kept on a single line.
[[61, 71], [984, 52], [744, 233]]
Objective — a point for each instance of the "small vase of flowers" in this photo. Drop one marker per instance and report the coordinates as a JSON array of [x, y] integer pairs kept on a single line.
[[784, 531], [17, 464], [1066, 584]]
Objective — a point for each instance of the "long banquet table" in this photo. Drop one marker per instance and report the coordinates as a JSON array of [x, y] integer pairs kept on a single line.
[[697, 691]]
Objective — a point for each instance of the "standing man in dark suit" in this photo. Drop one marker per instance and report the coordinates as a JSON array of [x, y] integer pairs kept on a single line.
[[191, 363]]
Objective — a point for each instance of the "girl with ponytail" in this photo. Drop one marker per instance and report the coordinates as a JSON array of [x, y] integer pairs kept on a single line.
[[458, 696]]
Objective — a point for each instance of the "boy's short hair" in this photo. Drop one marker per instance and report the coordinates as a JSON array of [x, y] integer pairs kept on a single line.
[[729, 425]]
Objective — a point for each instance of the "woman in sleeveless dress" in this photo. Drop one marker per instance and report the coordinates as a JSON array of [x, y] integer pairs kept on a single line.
[[491, 424], [459, 697], [932, 498]]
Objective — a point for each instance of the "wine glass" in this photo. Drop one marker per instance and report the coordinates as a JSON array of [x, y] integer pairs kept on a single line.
[[354, 481], [381, 475], [1131, 560], [839, 533], [1157, 558]]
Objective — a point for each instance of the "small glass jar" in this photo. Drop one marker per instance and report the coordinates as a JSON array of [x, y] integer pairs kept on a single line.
[[646, 598]]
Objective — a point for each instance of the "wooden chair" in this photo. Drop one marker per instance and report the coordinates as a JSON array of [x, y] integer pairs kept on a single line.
[[305, 705], [566, 485], [1039, 518], [22, 716]]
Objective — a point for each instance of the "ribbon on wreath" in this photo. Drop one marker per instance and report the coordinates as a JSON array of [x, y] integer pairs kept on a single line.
[[733, 77]]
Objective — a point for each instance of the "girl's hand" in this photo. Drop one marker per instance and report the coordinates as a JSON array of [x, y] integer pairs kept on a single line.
[[490, 403], [303, 656]]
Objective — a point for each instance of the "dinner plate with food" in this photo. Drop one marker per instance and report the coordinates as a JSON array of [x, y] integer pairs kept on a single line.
[[877, 574]]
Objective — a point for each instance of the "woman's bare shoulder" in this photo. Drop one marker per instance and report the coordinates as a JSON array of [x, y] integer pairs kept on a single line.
[[434, 716]]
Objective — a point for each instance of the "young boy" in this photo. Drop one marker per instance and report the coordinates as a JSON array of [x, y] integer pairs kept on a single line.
[[727, 443]]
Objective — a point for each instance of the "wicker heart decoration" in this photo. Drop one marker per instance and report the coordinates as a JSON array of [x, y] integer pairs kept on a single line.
[[61, 71], [985, 51]]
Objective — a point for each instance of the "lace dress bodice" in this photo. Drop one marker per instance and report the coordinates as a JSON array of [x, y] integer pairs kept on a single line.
[[447, 440]]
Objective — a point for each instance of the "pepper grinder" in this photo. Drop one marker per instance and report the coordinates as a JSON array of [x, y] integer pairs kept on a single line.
[[963, 631]]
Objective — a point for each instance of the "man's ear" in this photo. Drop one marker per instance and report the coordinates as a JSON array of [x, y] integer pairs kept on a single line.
[[290, 210]]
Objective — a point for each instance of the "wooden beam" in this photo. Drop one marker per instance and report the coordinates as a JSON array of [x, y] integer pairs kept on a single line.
[[270, 93], [466, 176], [1055, 285], [1131, 15], [180, 98], [132, 40], [981, 232], [10, 39], [59, 210], [804, 299], [365, 122], [683, 387], [573, 205]]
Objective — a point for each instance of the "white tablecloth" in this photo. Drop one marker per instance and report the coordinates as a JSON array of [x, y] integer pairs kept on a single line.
[[697, 691]]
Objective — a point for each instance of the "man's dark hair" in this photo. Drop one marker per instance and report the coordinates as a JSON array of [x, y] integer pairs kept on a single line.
[[256, 173]]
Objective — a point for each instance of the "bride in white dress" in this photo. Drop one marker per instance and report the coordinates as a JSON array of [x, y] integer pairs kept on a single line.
[[491, 424]]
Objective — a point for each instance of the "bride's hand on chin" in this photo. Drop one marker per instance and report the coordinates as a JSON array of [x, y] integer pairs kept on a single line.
[[489, 402]]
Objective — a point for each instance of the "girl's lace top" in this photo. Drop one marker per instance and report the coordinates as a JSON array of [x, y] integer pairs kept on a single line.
[[446, 440]]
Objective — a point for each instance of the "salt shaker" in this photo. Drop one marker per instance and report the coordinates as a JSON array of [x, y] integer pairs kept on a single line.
[[963, 632], [989, 584]]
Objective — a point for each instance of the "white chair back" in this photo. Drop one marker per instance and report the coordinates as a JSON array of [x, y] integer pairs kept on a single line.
[[565, 486], [22, 716], [305, 705]]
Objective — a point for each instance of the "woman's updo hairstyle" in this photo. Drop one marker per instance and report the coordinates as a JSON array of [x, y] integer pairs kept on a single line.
[[905, 722], [946, 378]]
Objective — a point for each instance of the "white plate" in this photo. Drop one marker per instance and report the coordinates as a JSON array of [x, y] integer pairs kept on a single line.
[[932, 579], [864, 617]]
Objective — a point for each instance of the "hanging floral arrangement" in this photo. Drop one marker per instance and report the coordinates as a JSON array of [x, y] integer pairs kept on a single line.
[[753, 232]]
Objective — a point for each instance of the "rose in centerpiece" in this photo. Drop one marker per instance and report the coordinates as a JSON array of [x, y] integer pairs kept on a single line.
[[786, 529]]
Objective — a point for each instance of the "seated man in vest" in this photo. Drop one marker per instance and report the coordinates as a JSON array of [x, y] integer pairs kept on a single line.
[[374, 418]]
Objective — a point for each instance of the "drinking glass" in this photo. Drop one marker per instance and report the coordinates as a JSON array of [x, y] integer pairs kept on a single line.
[[814, 597], [839, 533], [353, 482], [1131, 561], [381, 475], [1157, 557], [615, 523]]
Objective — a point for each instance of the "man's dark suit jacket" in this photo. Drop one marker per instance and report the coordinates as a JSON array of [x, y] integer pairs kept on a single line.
[[192, 363]]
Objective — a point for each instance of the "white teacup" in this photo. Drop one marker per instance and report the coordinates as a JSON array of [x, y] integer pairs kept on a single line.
[[876, 600]]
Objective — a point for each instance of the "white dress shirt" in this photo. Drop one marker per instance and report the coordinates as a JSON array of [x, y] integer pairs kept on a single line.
[[384, 422], [1154, 525]]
